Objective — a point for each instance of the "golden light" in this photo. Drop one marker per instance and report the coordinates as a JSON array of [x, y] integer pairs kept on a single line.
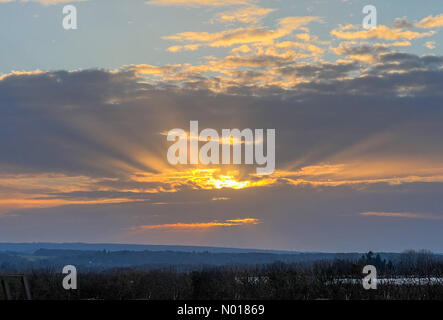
[[211, 178], [201, 225], [224, 181]]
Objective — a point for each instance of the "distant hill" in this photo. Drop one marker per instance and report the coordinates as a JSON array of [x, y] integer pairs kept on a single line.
[[25, 256], [181, 260], [32, 247]]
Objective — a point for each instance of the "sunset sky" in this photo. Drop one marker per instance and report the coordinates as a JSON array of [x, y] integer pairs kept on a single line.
[[358, 116]]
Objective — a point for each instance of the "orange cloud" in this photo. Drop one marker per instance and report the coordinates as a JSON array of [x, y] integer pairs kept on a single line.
[[430, 45], [400, 215], [431, 22], [247, 35], [146, 69], [201, 225], [198, 3], [20, 73], [46, 190], [315, 50], [48, 182], [220, 198], [43, 2], [207, 179], [390, 171], [188, 47], [28, 203], [251, 14], [381, 32], [229, 38]]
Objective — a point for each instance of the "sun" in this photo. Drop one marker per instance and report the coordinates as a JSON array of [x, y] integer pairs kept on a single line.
[[214, 178], [223, 181]]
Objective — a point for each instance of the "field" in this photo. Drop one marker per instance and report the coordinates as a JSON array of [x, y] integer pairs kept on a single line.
[[414, 275]]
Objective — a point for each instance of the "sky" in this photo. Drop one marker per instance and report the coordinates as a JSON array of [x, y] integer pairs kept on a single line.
[[84, 116]]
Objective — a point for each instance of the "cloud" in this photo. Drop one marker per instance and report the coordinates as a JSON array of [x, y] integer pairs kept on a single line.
[[85, 136], [398, 62], [198, 3], [407, 215], [23, 203], [188, 47], [231, 37], [200, 225], [220, 198], [430, 45], [203, 179], [250, 15], [44, 2], [20, 73], [381, 32], [402, 23], [146, 69], [366, 52], [362, 172], [431, 22], [363, 53]]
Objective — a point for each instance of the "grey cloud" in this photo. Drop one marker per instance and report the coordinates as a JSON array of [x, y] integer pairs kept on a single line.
[[402, 23], [89, 122]]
